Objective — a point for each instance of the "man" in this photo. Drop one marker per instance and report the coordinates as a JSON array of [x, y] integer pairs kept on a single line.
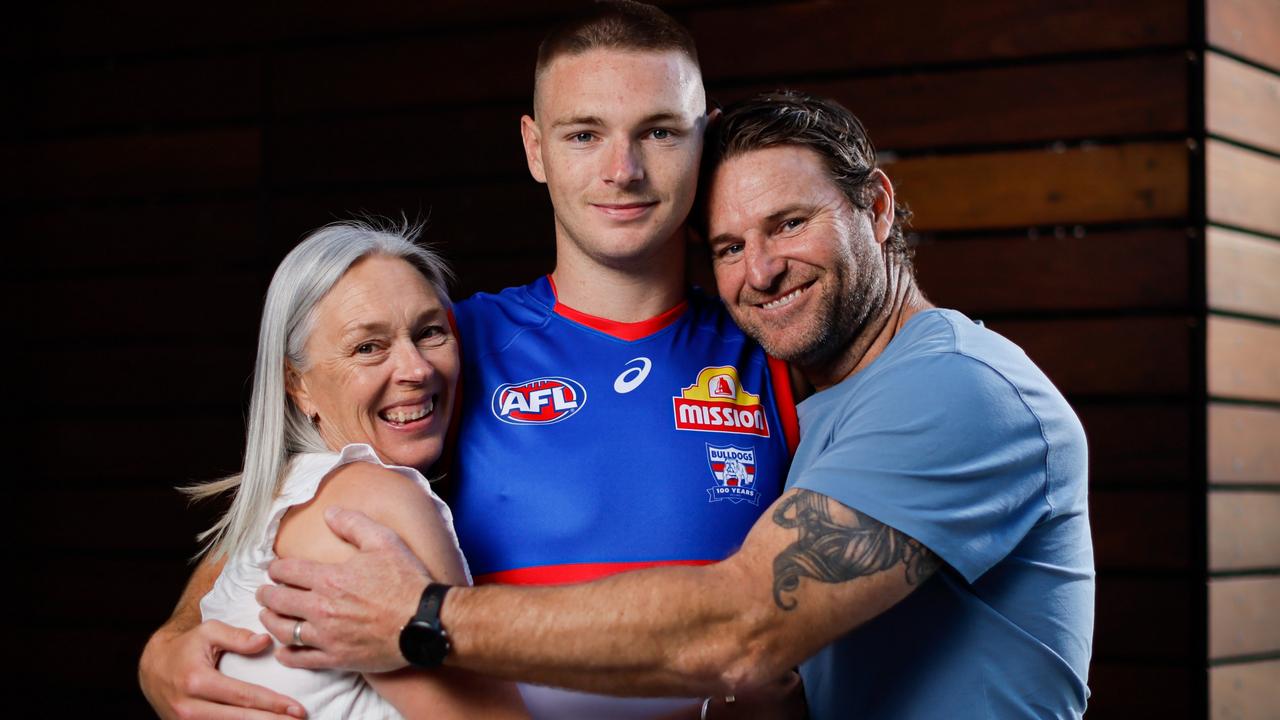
[[930, 556], [610, 421]]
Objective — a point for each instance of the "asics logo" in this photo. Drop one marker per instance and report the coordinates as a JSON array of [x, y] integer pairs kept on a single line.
[[633, 376]]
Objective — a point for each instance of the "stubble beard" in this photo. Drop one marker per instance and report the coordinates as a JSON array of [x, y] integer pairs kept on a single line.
[[855, 292]]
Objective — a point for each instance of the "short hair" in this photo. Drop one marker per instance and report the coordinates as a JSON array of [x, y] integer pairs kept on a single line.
[[277, 428], [789, 117], [616, 25]]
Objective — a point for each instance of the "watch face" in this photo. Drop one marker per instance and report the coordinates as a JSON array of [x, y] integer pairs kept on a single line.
[[423, 644]]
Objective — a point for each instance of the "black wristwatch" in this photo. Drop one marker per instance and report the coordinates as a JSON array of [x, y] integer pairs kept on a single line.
[[423, 640]]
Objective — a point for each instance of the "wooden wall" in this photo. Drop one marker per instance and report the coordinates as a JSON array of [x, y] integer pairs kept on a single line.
[[1085, 178], [1242, 284]]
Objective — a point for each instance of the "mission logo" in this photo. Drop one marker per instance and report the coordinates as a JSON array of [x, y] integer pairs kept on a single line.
[[538, 402], [717, 402]]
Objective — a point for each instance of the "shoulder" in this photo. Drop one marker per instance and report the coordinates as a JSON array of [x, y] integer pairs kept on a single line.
[[390, 497]]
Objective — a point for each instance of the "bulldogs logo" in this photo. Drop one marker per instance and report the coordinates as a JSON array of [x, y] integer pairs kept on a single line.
[[734, 469], [717, 402], [538, 402]]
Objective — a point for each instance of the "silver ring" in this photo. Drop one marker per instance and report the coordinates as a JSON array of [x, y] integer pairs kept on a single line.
[[297, 634]]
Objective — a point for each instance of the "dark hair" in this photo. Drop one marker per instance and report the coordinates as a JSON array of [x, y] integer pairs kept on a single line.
[[788, 117], [617, 25]]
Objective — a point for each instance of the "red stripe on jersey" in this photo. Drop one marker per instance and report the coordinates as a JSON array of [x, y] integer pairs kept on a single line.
[[622, 330], [573, 572], [780, 375]]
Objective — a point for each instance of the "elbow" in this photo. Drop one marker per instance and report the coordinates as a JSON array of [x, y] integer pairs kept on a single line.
[[755, 653]]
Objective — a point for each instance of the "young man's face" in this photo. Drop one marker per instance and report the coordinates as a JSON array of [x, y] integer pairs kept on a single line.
[[798, 266], [617, 140]]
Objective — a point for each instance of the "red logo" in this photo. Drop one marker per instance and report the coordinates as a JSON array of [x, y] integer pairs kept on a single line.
[[716, 402], [538, 402]]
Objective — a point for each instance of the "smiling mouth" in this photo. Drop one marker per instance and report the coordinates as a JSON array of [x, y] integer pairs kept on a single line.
[[406, 415], [624, 211], [785, 300]]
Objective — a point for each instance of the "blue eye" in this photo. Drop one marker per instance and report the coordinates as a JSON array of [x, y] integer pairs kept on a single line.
[[660, 133], [582, 137], [365, 348]]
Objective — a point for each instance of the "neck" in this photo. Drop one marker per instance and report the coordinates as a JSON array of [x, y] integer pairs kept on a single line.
[[902, 300], [629, 292]]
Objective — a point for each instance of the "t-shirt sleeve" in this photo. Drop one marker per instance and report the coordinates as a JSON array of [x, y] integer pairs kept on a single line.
[[942, 448]]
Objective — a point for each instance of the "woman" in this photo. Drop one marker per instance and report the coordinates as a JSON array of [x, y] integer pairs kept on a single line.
[[353, 388]]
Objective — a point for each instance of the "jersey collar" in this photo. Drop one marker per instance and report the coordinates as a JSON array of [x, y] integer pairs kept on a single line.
[[629, 331]]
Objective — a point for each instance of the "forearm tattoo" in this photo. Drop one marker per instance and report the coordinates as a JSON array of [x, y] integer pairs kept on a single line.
[[837, 544]]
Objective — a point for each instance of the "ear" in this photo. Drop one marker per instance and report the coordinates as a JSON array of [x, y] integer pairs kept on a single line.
[[882, 214], [532, 138], [296, 387]]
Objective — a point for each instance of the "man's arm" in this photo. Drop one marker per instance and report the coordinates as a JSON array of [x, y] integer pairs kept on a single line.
[[810, 570], [178, 670]]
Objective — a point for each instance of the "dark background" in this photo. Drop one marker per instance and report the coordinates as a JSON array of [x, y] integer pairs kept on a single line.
[[1062, 159]]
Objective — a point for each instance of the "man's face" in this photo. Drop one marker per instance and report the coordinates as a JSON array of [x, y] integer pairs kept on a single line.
[[617, 140], [798, 266]]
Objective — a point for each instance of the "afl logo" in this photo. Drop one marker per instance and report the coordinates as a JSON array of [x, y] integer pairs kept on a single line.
[[538, 402]]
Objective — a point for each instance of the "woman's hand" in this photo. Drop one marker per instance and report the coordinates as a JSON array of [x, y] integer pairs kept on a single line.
[[179, 675]]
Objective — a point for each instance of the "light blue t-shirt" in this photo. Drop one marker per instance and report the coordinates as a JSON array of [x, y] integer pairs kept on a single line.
[[954, 437]]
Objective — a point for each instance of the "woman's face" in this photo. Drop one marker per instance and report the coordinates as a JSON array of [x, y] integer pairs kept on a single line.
[[382, 364]]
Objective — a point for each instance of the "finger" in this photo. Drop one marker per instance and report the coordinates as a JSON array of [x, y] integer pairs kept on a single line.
[[306, 657], [358, 529], [296, 572], [281, 627], [284, 600], [234, 639], [218, 689], [213, 711]]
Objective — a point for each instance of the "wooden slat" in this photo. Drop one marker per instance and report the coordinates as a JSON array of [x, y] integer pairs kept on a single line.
[[1143, 619], [1245, 692], [1249, 28], [1243, 359], [523, 225], [402, 147], [111, 167], [117, 648], [1146, 443], [1244, 530], [1078, 99], [1241, 187], [499, 66], [91, 452], [805, 37], [1124, 691], [190, 306], [1145, 529], [1242, 616], [1242, 102], [202, 89], [133, 238], [1241, 272], [91, 520], [153, 585], [1243, 446], [168, 380], [1097, 271], [1130, 356], [1135, 181]]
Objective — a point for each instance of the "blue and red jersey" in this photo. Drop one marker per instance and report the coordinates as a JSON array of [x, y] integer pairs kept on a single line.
[[589, 447]]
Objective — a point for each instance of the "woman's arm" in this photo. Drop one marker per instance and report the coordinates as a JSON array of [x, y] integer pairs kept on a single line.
[[400, 504]]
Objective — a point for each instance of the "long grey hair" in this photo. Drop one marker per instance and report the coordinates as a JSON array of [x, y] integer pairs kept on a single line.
[[277, 428]]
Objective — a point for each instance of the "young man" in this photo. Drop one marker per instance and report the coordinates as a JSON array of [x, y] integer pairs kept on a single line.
[[930, 558], [611, 421]]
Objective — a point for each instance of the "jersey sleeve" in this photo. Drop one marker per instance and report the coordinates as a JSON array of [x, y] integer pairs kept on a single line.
[[942, 448]]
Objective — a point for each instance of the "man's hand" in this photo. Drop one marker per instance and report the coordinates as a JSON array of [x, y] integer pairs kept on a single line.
[[179, 675], [352, 611]]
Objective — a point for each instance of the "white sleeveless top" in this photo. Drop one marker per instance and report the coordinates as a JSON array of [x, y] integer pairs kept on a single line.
[[324, 693]]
